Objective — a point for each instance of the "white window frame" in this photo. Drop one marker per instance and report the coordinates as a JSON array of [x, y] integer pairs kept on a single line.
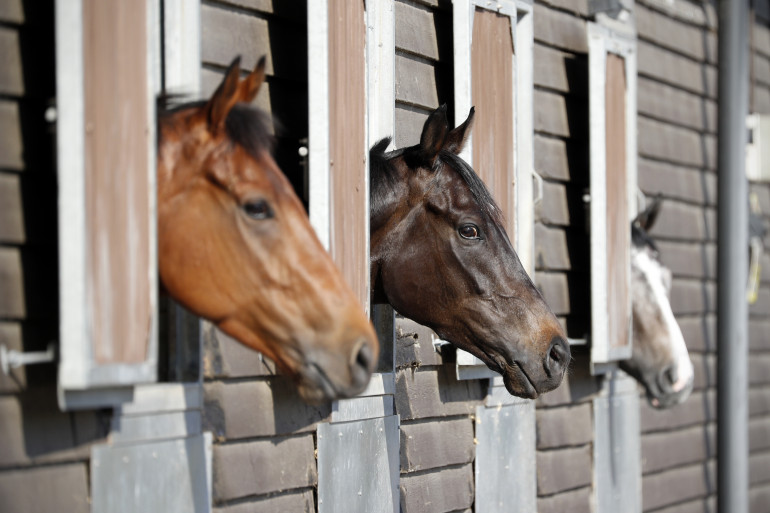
[[522, 32], [608, 36]]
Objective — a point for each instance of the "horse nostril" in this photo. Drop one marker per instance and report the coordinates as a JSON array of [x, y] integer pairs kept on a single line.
[[558, 356], [361, 362], [667, 378]]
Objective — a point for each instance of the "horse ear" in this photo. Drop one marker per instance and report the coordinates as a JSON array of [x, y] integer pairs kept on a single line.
[[434, 133], [223, 99], [248, 89], [455, 141], [646, 219]]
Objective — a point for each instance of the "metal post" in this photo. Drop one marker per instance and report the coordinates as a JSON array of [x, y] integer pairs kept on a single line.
[[733, 223]]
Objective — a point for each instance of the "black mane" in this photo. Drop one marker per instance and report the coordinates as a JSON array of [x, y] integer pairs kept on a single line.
[[382, 177], [641, 239], [247, 126]]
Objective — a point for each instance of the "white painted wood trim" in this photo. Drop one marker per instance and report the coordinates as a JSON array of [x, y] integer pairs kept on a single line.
[[621, 40], [318, 119], [182, 46]]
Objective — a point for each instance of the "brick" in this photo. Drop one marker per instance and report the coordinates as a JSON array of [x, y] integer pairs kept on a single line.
[[264, 466], [569, 425], [258, 408], [574, 501], [446, 489], [563, 469], [661, 451], [62, 488], [678, 485], [300, 502], [435, 392], [436, 443]]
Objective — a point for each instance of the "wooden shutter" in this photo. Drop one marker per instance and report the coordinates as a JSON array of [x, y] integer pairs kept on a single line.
[[612, 105], [493, 46], [106, 85]]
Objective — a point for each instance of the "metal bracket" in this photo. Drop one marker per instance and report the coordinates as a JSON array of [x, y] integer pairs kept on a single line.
[[12, 359]]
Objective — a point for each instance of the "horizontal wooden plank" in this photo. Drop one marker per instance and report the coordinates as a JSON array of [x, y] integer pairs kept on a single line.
[[574, 501], [561, 160], [61, 488], [435, 392], [705, 369], [258, 408], [555, 290], [12, 78], [699, 332], [416, 30], [12, 300], [674, 69], [551, 250], [759, 401], [573, 6], [693, 297], [446, 489], [760, 38], [760, 67], [662, 451], [761, 99], [759, 434], [12, 11], [761, 308], [555, 116], [677, 182], [226, 33], [678, 485], [291, 463], [11, 146], [414, 344], [662, 101], [224, 357], [759, 334], [561, 71], [553, 208], [695, 42], [701, 505], [675, 144], [759, 369], [409, 123], [11, 214], [759, 468], [416, 82], [689, 259], [685, 222], [301, 501], [559, 29], [759, 498], [433, 444], [563, 469], [702, 14], [700, 407], [269, 7], [566, 426]]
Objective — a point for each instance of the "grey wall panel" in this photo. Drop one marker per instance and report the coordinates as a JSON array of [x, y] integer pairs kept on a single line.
[[358, 466], [505, 458]]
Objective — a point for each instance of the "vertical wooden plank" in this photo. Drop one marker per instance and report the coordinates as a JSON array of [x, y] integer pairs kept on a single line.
[[493, 95], [349, 191], [618, 222], [117, 194]]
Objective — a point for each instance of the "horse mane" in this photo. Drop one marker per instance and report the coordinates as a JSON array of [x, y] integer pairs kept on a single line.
[[383, 178], [247, 126]]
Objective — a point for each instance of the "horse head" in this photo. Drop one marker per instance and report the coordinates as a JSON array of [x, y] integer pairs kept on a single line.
[[235, 245]]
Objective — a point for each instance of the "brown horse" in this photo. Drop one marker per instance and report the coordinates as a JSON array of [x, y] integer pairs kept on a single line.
[[235, 245], [441, 256]]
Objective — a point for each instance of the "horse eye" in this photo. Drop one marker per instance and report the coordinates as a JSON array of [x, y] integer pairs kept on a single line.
[[468, 231], [258, 209]]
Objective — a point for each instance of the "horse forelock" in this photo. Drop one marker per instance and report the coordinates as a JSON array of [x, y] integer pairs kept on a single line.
[[641, 239], [383, 176], [247, 126]]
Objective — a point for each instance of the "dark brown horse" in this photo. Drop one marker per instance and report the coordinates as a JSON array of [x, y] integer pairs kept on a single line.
[[235, 245], [441, 256], [660, 361]]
